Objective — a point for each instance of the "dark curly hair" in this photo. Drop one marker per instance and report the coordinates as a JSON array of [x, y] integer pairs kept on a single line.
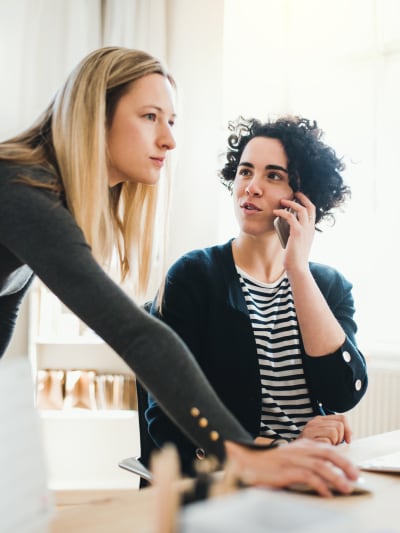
[[313, 167]]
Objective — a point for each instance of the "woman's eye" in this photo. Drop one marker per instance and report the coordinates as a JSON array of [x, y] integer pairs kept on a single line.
[[244, 172], [150, 116], [274, 176]]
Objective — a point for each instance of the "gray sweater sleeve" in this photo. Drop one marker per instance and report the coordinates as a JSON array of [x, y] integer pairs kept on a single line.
[[38, 230]]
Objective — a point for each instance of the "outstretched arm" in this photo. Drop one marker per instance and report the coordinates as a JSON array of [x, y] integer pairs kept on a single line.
[[38, 231]]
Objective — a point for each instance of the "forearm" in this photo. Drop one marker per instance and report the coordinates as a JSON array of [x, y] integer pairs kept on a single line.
[[162, 431], [46, 238], [320, 330]]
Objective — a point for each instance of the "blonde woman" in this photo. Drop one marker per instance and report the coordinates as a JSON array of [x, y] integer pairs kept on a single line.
[[83, 181]]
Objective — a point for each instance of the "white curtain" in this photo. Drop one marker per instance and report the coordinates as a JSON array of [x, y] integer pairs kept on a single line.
[[138, 24], [42, 40]]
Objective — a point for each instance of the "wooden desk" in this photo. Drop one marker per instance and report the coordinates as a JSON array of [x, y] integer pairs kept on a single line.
[[104, 511], [123, 511]]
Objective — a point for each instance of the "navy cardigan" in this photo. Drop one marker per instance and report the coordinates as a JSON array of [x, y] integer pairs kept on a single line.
[[204, 304]]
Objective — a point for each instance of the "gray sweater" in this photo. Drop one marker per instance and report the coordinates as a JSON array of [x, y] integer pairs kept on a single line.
[[38, 236]]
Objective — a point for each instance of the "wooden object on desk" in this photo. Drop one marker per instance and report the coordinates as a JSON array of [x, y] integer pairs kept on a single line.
[[132, 510], [166, 472]]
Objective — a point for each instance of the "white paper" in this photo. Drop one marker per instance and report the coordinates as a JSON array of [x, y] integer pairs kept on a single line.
[[25, 502], [264, 511]]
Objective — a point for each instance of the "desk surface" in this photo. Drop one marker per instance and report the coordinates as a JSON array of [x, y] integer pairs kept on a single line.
[[123, 511]]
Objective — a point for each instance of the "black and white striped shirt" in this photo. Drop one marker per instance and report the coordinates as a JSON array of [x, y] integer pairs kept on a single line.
[[286, 405]]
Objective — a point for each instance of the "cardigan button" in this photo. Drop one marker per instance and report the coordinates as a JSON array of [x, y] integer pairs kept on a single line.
[[214, 435], [346, 356], [200, 454], [203, 422], [358, 384], [194, 411]]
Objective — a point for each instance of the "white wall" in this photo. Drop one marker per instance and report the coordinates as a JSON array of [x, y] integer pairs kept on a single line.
[[196, 40]]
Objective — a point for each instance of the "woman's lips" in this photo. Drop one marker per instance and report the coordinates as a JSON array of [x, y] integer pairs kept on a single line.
[[158, 161], [247, 206]]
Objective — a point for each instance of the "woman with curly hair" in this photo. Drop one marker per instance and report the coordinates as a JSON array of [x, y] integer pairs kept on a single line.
[[273, 332]]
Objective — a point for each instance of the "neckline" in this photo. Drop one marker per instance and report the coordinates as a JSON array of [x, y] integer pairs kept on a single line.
[[275, 283]]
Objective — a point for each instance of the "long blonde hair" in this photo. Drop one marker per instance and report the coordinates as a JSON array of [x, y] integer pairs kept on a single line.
[[69, 139]]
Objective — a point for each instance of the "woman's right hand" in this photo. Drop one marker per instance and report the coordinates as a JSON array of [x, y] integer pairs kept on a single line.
[[317, 464]]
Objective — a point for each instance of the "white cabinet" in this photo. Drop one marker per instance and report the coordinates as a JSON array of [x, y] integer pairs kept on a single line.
[[83, 446]]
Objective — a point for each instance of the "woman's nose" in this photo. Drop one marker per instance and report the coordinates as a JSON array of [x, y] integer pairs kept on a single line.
[[253, 189], [167, 138]]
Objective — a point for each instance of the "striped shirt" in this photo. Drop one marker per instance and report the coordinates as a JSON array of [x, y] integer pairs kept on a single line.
[[286, 405]]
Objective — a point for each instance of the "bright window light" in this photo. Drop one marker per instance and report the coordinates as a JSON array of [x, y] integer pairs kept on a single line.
[[337, 62]]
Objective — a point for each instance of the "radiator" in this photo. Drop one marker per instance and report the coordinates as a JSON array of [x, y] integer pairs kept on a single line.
[[379, 409]]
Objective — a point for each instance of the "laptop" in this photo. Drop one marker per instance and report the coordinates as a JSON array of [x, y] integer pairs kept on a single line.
[[383, 463]]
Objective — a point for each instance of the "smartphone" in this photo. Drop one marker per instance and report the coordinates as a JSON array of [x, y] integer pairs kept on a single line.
[[282, 228]]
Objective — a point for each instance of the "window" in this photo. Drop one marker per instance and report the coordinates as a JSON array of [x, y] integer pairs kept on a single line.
[[339, 63]]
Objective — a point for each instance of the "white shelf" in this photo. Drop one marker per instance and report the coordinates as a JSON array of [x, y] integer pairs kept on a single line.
[[74, 355], [83, 448], [88, 414]]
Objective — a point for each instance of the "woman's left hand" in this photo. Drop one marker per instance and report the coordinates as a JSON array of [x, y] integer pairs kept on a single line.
[[333, 429]]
